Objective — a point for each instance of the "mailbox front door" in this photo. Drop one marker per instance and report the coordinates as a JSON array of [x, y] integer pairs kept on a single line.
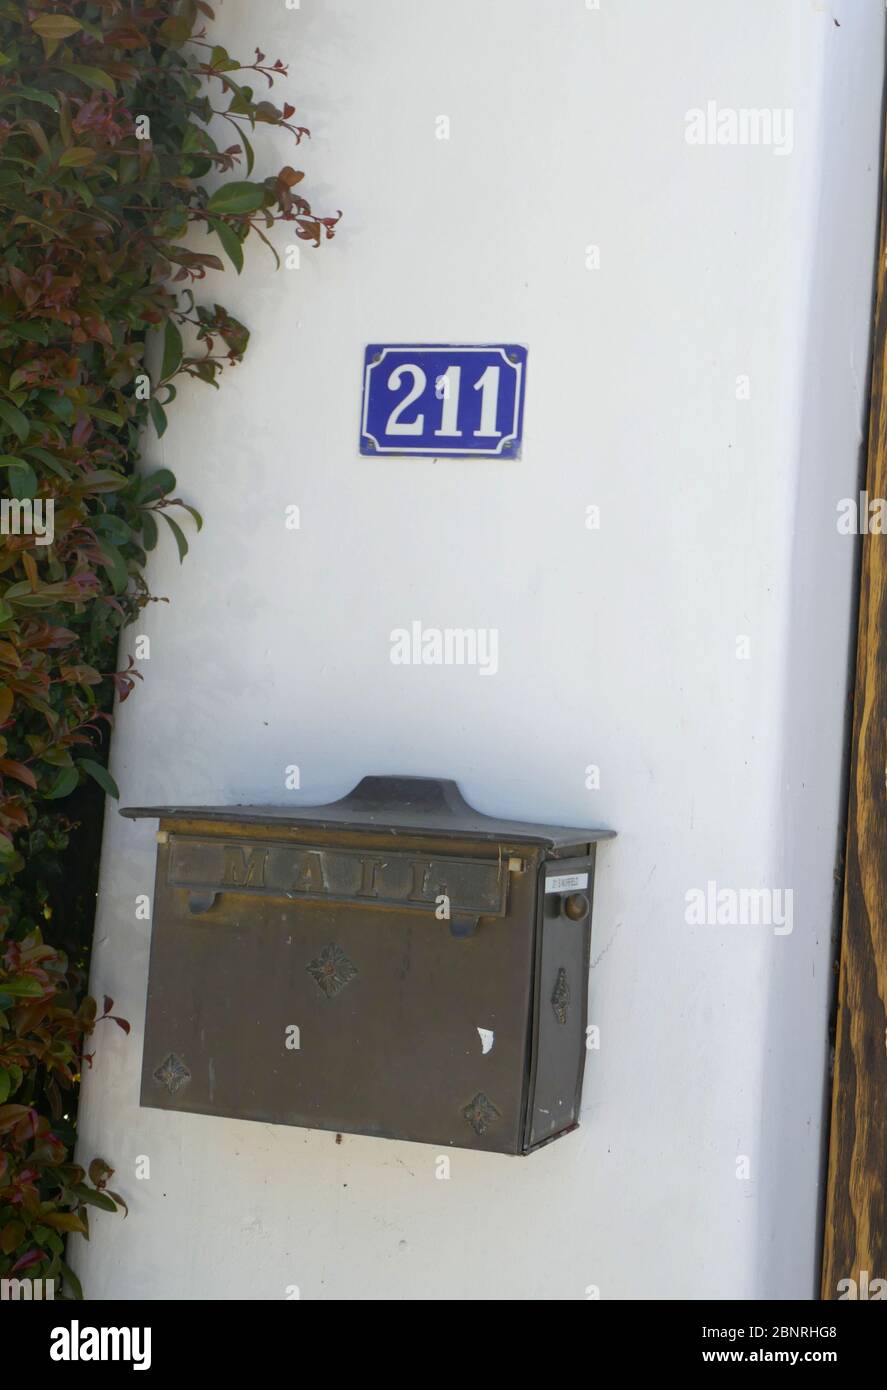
[[347, 1012]]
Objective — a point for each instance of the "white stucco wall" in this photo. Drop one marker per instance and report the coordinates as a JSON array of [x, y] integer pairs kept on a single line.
[[617, 646]]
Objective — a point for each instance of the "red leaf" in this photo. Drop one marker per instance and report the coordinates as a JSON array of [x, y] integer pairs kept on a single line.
[[82, 430], [19, 772], [289, 176], [33, 1257]]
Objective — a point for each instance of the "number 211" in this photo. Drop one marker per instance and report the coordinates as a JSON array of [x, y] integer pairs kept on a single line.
[[449, 385]]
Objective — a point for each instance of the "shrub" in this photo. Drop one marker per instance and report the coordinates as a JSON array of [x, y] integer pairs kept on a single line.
[[105, 117]]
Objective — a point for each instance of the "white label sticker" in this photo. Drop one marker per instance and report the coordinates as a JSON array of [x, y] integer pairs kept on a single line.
[[566, 883]]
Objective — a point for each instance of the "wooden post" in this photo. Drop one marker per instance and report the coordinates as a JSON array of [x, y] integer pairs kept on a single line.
[[855, 1237]]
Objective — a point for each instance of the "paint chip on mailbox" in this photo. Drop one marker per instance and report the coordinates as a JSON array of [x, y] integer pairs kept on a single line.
[[452, 400]]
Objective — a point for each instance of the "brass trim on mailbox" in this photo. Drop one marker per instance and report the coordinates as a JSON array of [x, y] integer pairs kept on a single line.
[[320, 873]]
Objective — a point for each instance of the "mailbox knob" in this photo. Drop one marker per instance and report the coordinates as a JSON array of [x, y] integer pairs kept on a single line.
[[575, 906]]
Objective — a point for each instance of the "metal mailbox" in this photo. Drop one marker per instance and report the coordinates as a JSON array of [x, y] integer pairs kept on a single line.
[[394, 964]]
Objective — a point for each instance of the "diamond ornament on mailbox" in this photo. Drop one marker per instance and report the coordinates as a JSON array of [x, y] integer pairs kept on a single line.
[[394, 964]]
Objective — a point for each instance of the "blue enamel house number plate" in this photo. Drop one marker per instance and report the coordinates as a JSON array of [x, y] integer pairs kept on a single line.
[[448, 401]]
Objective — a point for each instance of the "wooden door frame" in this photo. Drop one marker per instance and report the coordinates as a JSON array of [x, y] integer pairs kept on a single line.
[[855, 1234]]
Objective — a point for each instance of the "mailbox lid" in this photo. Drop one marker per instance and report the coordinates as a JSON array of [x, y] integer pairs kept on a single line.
[[398, 805]]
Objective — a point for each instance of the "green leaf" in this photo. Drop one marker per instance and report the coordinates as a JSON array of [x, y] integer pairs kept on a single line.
[[29, 94], [241, 102], [64, 1221], [101, 480], [16, 421], [93, 1198], [74, 1282], [101, 775], [62, 406], [23, 481], [156, 484], [158, 416], [5, 1085], [114, 527], [149, 531], [64, 784], [115, 564], [177, 29], [23, 988], [250, 155], [52, 463], [128, 168], [193, 139], [193, 512], [93, 77], [76, 157], [34, 332], [55, 26], [231, 243], [172, 351], [12, 1233], [237, 197], [110, 417], [178, 533]]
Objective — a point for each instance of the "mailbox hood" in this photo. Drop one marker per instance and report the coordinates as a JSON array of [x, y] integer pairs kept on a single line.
[[401, 805]]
